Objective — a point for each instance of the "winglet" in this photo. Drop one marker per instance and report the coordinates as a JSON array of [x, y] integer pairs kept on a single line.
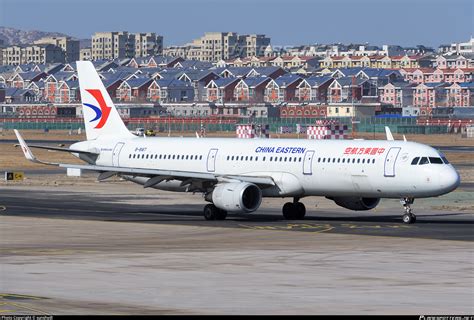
[[389, 134], [404, 138], [24, 147]]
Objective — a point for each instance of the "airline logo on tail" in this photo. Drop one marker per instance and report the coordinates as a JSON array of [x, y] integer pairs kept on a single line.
[[102, 112]]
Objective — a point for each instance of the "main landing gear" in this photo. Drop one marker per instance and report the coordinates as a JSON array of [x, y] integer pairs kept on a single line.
[[211, 212], [294, 210], [408, 216]]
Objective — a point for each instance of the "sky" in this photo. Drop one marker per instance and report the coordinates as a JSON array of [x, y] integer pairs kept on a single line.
[[286, 22]]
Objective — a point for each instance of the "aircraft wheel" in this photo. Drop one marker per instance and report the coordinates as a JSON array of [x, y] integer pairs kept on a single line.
[[211, 212], [221, 214], [288, 211], [300, 210], [409, 218]]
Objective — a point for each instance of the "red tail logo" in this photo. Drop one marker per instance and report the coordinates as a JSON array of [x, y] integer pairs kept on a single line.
[[103, 112]]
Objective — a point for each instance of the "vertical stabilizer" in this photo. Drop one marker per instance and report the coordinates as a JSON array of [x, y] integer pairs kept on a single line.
[[100, 115]]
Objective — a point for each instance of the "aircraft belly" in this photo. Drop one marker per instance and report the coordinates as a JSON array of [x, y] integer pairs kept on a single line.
[[171, 185]]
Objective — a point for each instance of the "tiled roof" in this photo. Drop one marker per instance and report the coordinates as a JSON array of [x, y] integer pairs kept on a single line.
[[255, 81], [224, 82]]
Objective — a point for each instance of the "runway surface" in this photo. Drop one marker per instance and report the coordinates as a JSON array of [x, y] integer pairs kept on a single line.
[[116, 248], [154, 208]]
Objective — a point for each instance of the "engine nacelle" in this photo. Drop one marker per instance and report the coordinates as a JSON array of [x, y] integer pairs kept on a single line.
[[355, 203], [237, 197]]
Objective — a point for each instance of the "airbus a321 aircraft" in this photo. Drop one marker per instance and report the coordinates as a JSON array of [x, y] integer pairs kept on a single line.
[[235, 174]]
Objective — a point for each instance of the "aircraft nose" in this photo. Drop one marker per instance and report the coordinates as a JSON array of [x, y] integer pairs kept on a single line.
[[449, 179]]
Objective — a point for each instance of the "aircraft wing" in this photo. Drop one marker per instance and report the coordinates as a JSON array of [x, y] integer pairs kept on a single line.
[[60, 149], [161, 174], [155, 175]]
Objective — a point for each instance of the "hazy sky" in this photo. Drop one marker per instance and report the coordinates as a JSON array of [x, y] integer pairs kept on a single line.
[[287, 22]]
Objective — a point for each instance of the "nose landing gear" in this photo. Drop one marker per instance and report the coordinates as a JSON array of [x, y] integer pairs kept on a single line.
[[408, 216]]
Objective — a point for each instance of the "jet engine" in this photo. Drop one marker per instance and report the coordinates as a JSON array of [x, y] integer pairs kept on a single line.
[[355, 203], [237, 197]]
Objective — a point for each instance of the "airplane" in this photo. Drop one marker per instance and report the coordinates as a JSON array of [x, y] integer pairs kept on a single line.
[[235, 174]]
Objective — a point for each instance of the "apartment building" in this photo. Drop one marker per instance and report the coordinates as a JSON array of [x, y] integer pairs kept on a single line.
[[37, 53], [252, 45], [463, 47], [111, 45], [148, 44], [85, 54], [67, 44], [217, 45]]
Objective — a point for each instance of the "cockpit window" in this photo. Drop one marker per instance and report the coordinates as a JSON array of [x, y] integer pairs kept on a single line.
[[424, 160], [415, 161], [436, 160], [445, 160]]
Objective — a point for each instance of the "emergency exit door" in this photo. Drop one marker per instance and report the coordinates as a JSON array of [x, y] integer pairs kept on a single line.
[[308, 162], [211, 160]]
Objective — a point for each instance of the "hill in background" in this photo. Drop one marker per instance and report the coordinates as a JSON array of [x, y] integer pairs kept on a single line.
[[13, 36]]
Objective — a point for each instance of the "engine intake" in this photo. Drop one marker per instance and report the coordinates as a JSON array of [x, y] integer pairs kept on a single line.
[[237, 197], [355, 203]]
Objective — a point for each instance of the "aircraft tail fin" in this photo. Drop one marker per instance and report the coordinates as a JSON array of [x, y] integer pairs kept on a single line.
[[389, 134], [100, 115]]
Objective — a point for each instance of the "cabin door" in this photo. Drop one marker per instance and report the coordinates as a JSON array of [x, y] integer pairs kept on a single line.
[[390, 160]]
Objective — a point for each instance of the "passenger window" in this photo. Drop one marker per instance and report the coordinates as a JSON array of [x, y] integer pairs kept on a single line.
[[415, 161], [143, 156], [246, 158], [228, 158], [363, 160], [343, 160], [373, 160], [299, 159], [256, 158], [424, 160], [435, 160], [285, 159], [263, 158], [200, 158], [281, 159], [358, 160]]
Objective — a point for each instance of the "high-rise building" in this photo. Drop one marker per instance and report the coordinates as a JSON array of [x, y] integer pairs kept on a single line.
[[111, 45], [68, 45], [216, 46], [85, 54], [36, 53], [252, 45], [148, 44]]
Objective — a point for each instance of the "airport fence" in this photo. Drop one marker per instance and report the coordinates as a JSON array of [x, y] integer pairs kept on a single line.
[[402, 125]]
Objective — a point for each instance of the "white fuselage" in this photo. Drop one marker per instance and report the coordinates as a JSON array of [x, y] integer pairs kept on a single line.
[[363, 168]]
